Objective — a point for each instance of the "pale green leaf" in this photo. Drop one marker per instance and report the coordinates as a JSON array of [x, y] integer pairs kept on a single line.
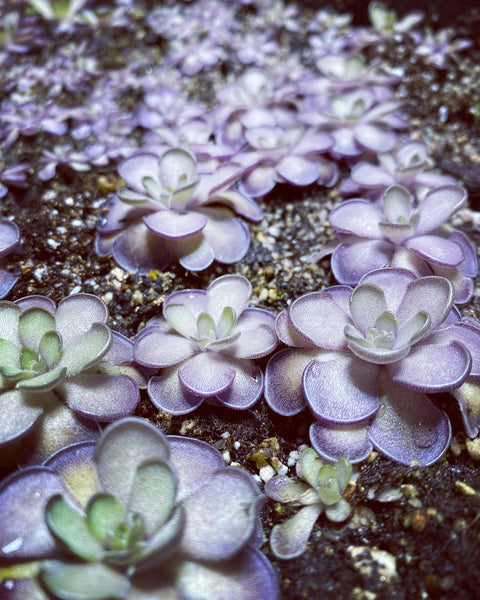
[[91, 581], [104, 513], [32, 324], [50, 348], [70, 526]]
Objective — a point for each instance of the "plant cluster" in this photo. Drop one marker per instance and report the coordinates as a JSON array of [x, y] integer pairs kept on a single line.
[[135, 515], [125, 512], [53, 375]]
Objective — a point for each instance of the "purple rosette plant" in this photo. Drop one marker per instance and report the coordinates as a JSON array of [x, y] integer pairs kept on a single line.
[[363, 360], [9, 242], [205, 344], [169, 209], [408, 165], [288, 154], [251, 101], [349, 71], [55, 354], [400, 231], [355, 120], [136, 516], [439, 49]]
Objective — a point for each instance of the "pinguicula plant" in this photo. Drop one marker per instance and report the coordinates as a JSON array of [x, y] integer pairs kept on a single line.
[[386, 23], [355, 119], [364, 359], [285, 154], [318, 488], [136, 516], [169, 209], [348, 71], [247, 101], [9, 242], [66, 353], [439, 48], [402, 231], [205, 344], [409, 165]]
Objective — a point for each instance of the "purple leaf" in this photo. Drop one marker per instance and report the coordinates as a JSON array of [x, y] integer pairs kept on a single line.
[[359, 217], [206, 374], [298, 170], [9, 237], [258, 337], [393, 282], [259, 181], [284, 489], [228, 237], [175, 225], [247, 387], [375, 138], [23, 495], [289, 336], [134, 169], [101, 397], [437, 250], [167, 393], [408, 427], [194, 462], [229, 290], [341, 389], [334, 441], [433, 367], [434, 295], [58, 428], [248, 576], [218, 515], [438, 206], [138, 249], [19, 412], [194, 253], [371, 176], [283, 380], [123, 446], [350, 261], [156, 349]]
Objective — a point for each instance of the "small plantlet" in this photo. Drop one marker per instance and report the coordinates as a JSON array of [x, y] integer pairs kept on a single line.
[[318, 488]]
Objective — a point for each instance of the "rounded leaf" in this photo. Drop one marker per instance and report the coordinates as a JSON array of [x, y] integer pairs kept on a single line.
[[88, 581]]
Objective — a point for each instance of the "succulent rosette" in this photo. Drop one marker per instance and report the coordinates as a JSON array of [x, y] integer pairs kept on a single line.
[[9, 242], [364, 359], [285, 155], [349, 71], [205, 344], [385, 22], [399, 231], [51, 354], [439, 48], [408, 165], [246, 102], [136, 516], [355, 120], [169, 209], [318, 488]]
